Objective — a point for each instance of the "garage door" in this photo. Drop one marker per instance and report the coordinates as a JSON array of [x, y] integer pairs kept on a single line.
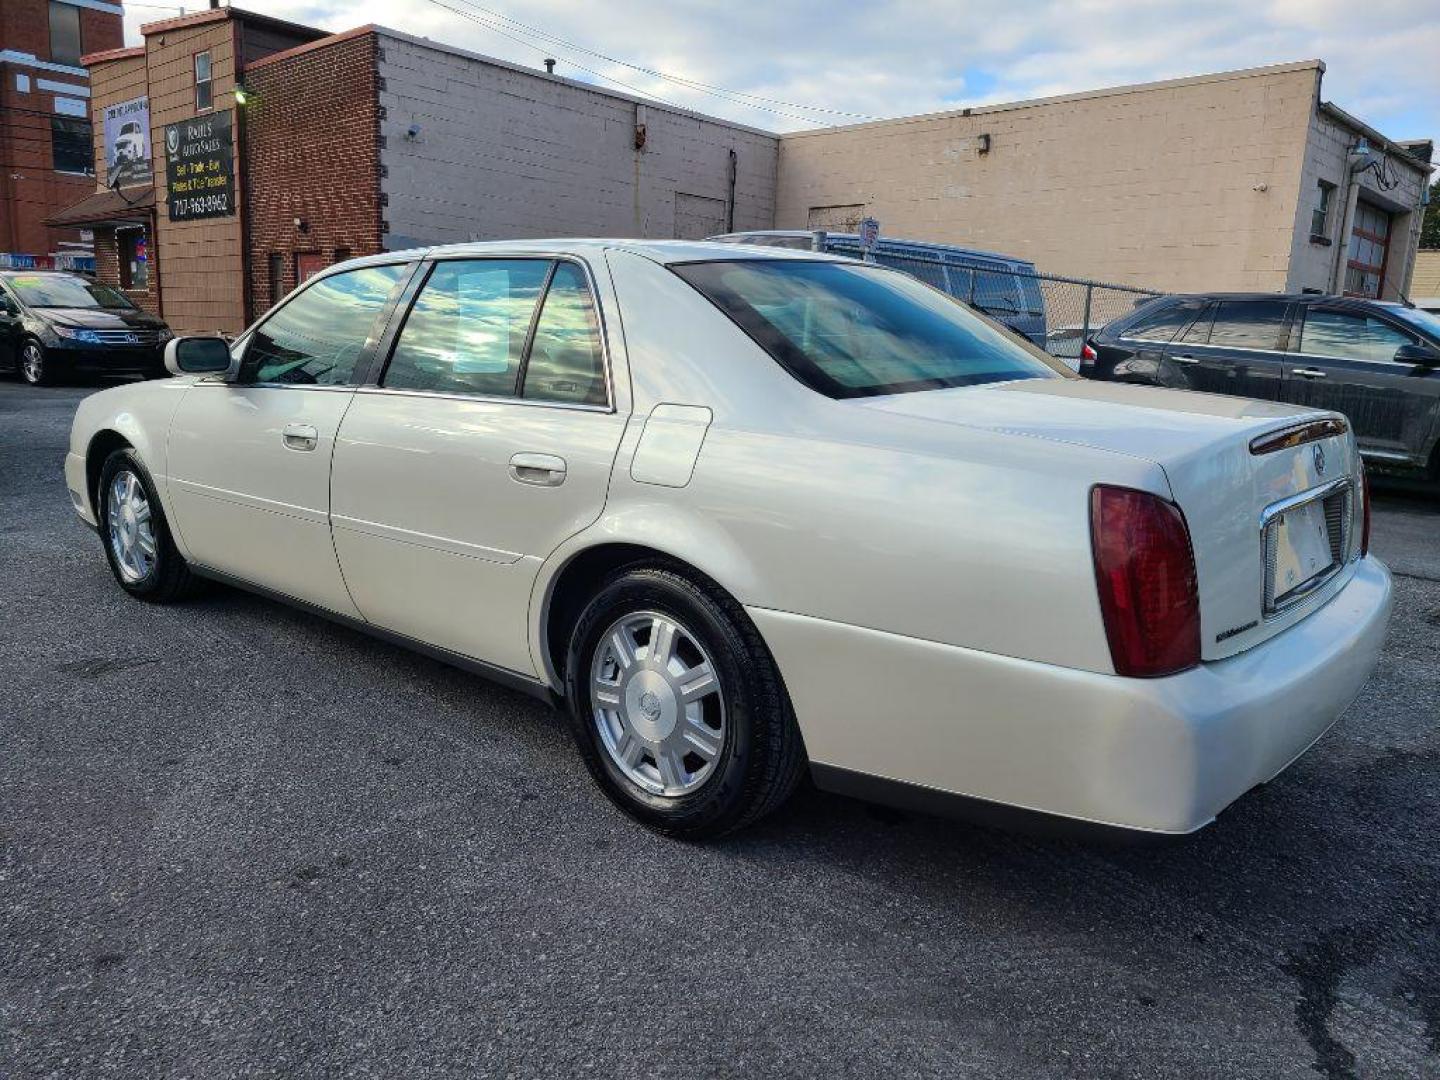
[[1369, 245]]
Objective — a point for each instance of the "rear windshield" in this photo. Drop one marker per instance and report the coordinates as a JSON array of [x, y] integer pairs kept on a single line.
[[850, 330]]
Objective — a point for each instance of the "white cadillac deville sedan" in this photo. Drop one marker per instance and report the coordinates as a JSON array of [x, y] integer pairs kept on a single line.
[[746, 513]]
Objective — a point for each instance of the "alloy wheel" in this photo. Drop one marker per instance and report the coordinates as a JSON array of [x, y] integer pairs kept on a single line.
[[32, 363], [657, 703], [131, 531]]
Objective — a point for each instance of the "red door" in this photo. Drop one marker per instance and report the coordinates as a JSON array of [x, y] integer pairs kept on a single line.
[[307, 265]]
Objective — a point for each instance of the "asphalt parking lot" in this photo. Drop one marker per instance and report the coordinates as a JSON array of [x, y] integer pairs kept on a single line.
[[236, 840]]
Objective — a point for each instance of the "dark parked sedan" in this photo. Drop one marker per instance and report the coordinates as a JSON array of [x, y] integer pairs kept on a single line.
[[54, 324], [1376, 362]]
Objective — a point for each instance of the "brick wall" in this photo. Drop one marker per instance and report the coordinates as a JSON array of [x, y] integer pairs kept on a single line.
[[499, 151], [30, 188], [202, 276], [311, 132]]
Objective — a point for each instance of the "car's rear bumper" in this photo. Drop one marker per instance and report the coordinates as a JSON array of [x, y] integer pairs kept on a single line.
[[1157, 755]]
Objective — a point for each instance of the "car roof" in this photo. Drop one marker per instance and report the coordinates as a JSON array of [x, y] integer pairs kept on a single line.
[[662, 251], [1289, 298]]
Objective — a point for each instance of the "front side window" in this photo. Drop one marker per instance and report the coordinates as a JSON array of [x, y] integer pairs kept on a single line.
[[850, 330], [466, 333], [319, 337], [1249, 324], [1351, 335], [566, 363], [65, 47], [72, 146], [204, 96]]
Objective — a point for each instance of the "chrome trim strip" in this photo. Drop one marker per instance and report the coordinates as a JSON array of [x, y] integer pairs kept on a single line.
[[1275, 509], [395, 534], [251, 502], [492, 399]]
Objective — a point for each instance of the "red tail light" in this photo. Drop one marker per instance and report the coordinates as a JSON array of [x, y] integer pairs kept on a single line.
[[1145, 569], [1365, 511], [1088, 355]]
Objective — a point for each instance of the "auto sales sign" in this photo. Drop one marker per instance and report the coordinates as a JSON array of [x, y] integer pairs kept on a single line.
[[200, 168]]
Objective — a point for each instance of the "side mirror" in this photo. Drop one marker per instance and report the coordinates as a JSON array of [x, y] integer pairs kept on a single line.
[[1418, 355], [197, 356]]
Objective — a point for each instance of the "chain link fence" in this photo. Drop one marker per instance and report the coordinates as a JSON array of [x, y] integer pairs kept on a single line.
[[1056, 313]]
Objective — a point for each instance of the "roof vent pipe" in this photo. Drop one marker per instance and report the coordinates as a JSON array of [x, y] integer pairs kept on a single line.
[[549, 65]]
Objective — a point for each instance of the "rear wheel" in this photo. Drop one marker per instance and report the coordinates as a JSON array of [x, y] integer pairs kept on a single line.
[[677, 707], [34, 368], [136, 536]]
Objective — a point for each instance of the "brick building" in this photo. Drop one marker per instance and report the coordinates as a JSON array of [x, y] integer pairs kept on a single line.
[[45, 158], [352, 143], [368, 140]]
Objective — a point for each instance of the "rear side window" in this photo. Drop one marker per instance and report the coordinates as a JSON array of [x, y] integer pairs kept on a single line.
[[851, 330], [466, 333], [319, 337], [1249, 324], [1161, 325], [566, 363]]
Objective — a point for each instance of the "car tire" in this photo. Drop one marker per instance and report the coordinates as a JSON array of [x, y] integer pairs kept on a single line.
[[136, 535], [34, 364], [686, 760]]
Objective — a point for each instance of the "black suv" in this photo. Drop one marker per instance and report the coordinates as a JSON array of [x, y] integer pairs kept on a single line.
[[1376, 362], [53, 324]]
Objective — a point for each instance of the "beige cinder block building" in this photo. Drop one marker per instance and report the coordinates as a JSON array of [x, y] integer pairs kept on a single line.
[[1245, 180]]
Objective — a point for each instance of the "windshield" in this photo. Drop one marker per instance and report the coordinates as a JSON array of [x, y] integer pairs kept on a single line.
[[65, 291], [849, 330], [1424, 321]]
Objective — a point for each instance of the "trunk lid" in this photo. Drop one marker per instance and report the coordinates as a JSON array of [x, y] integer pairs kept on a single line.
[[1232, 498]]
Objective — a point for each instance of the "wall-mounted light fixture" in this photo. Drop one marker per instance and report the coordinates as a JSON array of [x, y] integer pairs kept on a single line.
[[982, 144], [302, 225]]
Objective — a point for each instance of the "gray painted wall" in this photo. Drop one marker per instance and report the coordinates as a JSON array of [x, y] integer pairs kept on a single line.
[[503, 152]]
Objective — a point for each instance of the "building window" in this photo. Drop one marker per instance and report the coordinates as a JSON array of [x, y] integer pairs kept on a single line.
[[64, 34], [1320, 215], [204, 98], [134, 259], [277, 277], [72, 146]]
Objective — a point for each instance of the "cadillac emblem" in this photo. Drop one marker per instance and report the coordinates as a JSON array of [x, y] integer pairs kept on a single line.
[[1318, 454]]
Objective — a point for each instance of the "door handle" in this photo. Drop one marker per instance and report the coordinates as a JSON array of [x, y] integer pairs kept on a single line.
[[543, 470], [1185, 360], [1309, 373], [300, 436]]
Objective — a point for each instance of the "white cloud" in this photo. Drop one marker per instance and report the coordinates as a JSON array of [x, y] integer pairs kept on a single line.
[[907, 56]]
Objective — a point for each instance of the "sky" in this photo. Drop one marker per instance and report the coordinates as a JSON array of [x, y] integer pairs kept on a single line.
[[847, 60]]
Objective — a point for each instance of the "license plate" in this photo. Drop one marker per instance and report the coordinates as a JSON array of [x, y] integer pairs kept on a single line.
[[1302, 547]]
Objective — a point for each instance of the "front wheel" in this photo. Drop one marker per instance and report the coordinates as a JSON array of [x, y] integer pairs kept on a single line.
[[34, 367], [677, 706], [137, 540]]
